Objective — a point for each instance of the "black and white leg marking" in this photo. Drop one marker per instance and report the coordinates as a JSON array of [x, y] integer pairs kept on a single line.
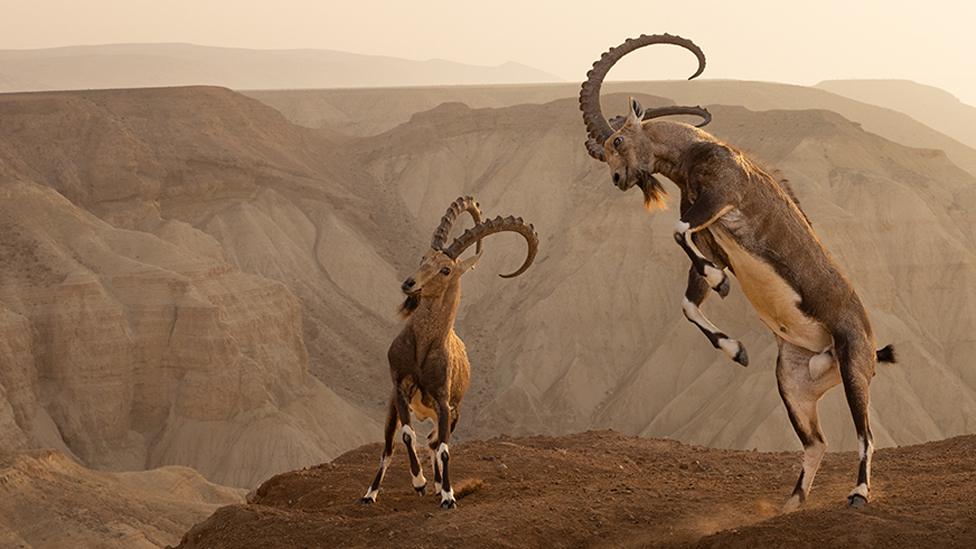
[[695, 295], [716, 278], [707, 209], [416, 471], [374, 488], [856, 362], [859, 495], [392, 422], [409, 437], [443, 454]]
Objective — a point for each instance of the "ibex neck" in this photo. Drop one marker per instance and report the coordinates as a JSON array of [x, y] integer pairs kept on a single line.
[[434, 318], [672, 140]]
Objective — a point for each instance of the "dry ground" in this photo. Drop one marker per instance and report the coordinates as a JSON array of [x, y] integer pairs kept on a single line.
[[602, 489]]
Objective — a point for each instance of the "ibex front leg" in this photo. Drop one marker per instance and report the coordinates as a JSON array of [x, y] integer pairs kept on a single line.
[[695, 295], [433, 442], [443, 454], [409, 437], [705, 211]]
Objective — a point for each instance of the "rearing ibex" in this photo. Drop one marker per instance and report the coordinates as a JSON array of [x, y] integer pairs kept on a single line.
[[428, 363], [735, 215]]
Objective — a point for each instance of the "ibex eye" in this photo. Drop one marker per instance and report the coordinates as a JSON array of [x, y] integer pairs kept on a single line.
[[445, 271], [617, 142]]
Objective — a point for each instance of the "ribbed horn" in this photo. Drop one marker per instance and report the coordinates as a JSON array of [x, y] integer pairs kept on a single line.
[[676, 110], [497, 225], [618, 121], [443, 230], [597, 128]]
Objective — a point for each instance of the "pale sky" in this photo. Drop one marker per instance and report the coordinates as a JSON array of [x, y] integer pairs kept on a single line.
[[930, 42]]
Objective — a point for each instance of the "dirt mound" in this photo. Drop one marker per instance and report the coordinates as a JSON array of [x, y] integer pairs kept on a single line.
[[606, 490]]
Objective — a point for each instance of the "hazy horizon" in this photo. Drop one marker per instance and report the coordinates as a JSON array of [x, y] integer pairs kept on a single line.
[[757, 40]]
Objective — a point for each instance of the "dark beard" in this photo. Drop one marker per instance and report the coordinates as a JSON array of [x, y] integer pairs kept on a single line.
[[654, 193], [409, 305]]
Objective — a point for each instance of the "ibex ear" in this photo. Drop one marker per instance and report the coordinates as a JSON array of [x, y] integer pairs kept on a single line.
[[636, 113], [469, 263]]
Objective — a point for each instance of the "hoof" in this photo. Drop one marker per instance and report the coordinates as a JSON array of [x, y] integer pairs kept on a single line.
[[366, 501], [856, 501], [742, 357], [421, 490], [723, 287], [792, 504], [449, 504]]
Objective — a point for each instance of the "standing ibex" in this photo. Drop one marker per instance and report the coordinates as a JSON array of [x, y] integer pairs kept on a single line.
[[428, 362], [735, 215]]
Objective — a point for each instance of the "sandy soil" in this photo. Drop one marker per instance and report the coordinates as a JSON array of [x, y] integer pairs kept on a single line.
[[602, 489]]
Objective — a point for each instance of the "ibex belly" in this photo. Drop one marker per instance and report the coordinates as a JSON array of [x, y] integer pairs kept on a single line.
[[776, 302]]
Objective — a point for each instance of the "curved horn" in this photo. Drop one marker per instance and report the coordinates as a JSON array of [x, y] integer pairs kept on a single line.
[[597, 128], [462, 204], [675, 109], [618, 121], [497, 225]]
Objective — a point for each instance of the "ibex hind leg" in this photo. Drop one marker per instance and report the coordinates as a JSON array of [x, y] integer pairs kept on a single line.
[[392, 423], [801, 395], [856, 360], [432, 443]]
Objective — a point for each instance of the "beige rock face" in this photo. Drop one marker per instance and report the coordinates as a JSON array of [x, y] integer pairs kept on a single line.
[[148, 354]]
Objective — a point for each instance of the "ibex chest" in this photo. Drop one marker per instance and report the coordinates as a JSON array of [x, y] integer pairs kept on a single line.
[[776, 301]]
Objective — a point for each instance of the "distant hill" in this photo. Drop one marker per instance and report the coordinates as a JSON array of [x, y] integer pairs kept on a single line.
[[933, 106], [153, 65], [369, 112]]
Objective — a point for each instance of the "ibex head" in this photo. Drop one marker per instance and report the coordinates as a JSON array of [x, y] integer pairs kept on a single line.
[[629, 152], [622, 143], [442, 265]]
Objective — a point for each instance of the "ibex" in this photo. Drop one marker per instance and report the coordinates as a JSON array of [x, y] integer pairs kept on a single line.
[[735, 216], [428, 362]]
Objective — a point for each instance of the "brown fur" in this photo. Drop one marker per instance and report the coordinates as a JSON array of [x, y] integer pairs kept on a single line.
[[744, 218], [428, 362]]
